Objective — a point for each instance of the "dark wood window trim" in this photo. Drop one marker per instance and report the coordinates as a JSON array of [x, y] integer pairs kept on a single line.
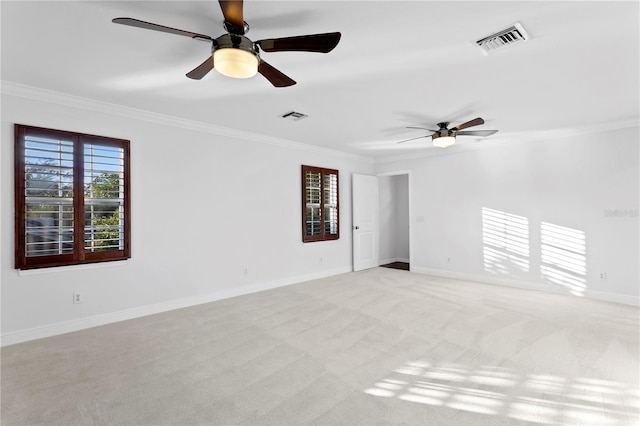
[[106, 234], [320, 204]]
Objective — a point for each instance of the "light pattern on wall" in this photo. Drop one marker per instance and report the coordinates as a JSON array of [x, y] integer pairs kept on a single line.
[[563, 256], [505, 238]]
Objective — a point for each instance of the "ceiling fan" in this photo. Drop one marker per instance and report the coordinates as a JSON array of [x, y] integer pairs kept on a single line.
[[444, 137], [235, 55]]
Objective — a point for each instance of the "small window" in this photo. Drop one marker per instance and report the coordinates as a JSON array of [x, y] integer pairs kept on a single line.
[[320, 211], [71, 198]]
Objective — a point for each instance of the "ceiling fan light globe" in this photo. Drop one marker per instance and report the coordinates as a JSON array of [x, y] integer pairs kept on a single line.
[[235, 63], [444, 141]]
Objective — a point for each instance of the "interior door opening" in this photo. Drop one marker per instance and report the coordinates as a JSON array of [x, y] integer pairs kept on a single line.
[[394, 221], [381, 234]]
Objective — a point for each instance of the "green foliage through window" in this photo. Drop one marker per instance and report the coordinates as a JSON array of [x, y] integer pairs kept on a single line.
[[72, 198]]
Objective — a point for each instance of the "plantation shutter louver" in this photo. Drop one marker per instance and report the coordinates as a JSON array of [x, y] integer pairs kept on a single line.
[[72, 198], [320, 213], [49, 186], [103, 198]]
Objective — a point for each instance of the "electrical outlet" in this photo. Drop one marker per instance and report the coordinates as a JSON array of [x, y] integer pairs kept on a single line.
[[448, 260], [245, 271], [77, 298], [603, 276], [321, 260]]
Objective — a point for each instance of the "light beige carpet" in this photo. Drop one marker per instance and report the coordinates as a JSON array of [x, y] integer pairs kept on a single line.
[[381, 346]]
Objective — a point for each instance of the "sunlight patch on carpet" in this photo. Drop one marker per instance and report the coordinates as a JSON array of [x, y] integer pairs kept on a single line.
[[538, 398]]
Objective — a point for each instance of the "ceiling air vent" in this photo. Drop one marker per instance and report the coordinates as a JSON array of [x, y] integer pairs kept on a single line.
[[294, 116], [506, 37]]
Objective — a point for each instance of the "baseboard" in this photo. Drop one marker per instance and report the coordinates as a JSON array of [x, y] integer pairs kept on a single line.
[[613, 297], [26, 335], [528, 285]]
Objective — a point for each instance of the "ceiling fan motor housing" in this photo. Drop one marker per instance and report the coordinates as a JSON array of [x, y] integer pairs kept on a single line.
[[443, 131], [234, 41]]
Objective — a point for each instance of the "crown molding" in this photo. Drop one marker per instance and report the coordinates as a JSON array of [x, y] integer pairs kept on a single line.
[[10, 88]]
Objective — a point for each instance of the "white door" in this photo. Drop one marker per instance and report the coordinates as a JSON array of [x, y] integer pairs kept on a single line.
[[365, 221]]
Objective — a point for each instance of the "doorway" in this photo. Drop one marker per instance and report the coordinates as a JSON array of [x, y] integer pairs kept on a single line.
[[382, 203], [394, 221]]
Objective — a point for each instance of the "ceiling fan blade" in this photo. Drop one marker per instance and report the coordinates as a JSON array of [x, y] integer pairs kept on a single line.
[[323, 43], [474, 122], [421, 128], [201, 70], [275, 77], [232, 11], [412, 139], [482, 133], [151, 26]]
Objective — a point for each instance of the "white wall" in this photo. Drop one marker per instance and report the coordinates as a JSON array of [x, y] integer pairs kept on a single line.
[[577, 196], [209, 204], [205, 207], [394, 218]]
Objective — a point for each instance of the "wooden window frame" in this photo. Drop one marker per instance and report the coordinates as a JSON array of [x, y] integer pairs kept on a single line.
[[323, 236], [78, 255]]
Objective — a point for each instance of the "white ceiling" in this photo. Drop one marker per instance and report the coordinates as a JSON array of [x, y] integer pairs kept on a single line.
[[398, 64]]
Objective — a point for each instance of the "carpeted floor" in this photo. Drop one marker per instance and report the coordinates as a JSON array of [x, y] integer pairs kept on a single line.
[[381, 346]]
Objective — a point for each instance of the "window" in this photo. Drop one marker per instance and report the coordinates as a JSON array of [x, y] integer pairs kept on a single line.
[[320, 218], [71, 198]]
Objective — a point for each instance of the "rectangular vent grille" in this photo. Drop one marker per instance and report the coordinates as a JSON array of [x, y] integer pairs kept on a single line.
[[294, 116], [506, 37]]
